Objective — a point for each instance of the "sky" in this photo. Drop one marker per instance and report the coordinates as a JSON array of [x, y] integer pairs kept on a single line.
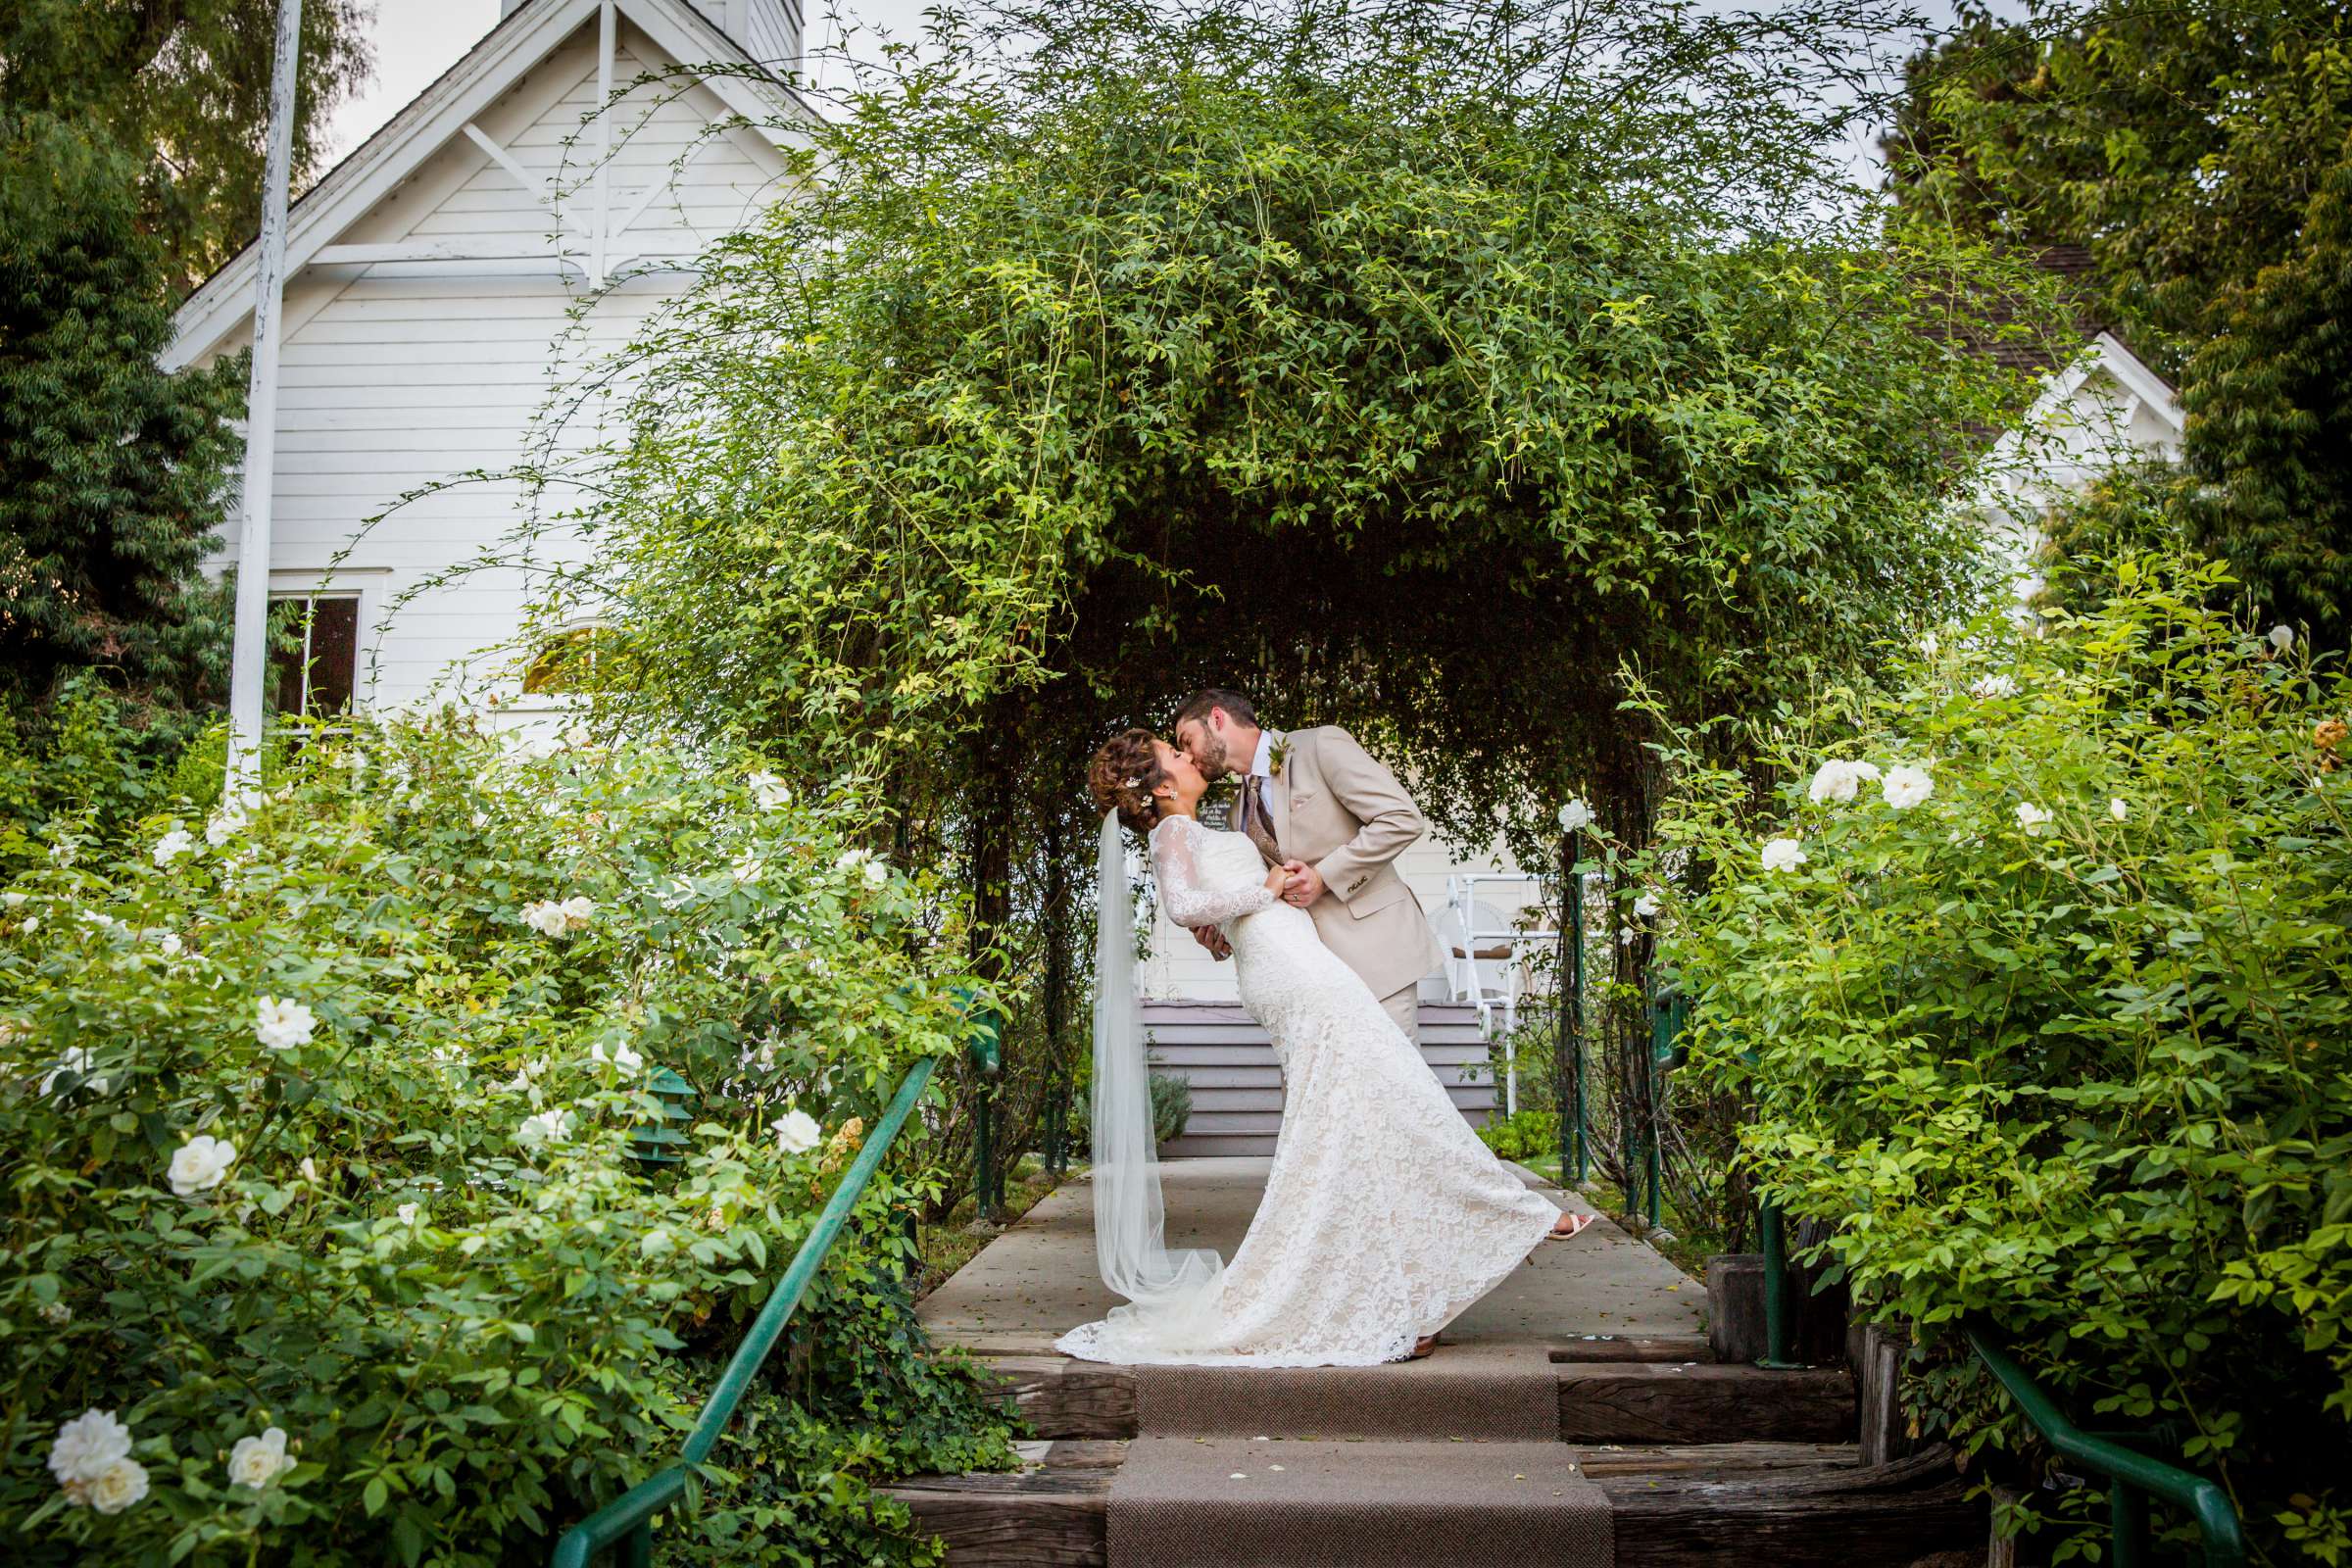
[[416, 41]]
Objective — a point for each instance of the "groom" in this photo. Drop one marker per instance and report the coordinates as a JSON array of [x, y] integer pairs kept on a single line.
[[1316, 803]]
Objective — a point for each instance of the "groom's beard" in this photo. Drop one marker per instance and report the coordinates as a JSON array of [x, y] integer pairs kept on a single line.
[[1212, 760]]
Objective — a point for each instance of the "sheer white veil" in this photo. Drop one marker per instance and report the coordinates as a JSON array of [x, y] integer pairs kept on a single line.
[[1174, 1292]]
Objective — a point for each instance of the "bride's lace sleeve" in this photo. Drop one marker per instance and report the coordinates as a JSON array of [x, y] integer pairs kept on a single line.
[[1189, 900]]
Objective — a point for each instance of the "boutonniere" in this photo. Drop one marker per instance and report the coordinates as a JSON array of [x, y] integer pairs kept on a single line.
[[1275, 758]]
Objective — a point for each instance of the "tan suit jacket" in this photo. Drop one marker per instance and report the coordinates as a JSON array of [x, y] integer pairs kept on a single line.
[[1335, 808]]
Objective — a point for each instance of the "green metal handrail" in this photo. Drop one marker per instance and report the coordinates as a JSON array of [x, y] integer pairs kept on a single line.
[[2132, 1475], [626, 1521]]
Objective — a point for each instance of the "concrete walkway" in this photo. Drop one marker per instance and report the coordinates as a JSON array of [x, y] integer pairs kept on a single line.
[[1039, 1278]]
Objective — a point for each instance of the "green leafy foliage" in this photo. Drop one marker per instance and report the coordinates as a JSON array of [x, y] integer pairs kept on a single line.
[[433, 1261], [178, 89], [111, 473], [2057, 1034]]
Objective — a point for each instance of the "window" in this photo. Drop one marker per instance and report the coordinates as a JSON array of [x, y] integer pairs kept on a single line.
[[314, 654], [573, 660]]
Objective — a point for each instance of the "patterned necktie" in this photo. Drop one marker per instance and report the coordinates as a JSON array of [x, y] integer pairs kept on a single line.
[[1254, 819]]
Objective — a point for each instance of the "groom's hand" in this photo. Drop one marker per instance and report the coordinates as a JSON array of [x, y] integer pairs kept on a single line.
[[1305, 884], [1209, 937]]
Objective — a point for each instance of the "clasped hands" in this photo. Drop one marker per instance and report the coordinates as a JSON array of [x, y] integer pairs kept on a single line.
[[1298, 884]]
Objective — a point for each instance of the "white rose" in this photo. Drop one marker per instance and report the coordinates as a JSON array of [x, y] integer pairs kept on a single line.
[[171, 944], [620, 1053], [172, 845], [1995, 686], [222, 825], [76, 1060], [257, 1461], [578, 910], [769, 791], [282, 1025], [201, 1163], [796, 1132], [1930, 645], [114, 1488], [852, 860], [32, 924], [2283, 638], [877, 872], [11, 899], [1646, 906], [57, 1312], [407, 1213], [546, 917], [1782, 855], [2030, 816], [2117, 808], [1575, 816], [309, 1168], [546, 1127], [1907, 787], [1837, 779], [86, 1445]]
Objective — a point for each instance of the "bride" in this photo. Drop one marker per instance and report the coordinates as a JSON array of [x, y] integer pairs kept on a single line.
[[1384, 1215]]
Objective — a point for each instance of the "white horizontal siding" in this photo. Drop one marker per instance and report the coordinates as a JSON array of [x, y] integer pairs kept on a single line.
[[398, 380]]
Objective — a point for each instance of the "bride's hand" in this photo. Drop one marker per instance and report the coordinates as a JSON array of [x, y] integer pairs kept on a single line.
[[1277, 878]]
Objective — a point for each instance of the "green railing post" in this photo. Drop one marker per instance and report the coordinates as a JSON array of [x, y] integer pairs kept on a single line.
[[986, 1049], [2127, 1525], [1780, 1355], [1575, 1151]]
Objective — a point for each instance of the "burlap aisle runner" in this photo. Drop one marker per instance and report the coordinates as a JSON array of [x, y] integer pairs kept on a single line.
[[1237, 1502], [1492, 1391]]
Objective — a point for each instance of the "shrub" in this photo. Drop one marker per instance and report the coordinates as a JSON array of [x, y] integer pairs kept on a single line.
[[2054, 1030], [1171, 1105], [1523, 1134], [320, 1123]]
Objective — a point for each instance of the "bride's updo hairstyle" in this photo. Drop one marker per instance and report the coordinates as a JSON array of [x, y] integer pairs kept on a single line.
[[1122, 776]]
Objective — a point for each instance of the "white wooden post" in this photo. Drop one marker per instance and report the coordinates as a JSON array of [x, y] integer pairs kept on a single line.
[[600, 248], [249, 650]]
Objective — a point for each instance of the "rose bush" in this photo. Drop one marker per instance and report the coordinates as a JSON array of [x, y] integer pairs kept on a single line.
[[2052, 1023], [324, 1236]]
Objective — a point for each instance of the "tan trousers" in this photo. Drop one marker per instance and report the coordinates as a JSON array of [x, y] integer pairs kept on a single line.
[[1405, 1007]]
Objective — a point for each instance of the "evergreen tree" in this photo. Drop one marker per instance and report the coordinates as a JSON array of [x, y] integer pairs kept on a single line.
[[181, 88], [111, 473], [2270, 424]]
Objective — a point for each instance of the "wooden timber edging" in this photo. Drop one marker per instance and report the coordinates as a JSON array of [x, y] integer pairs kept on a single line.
[[1624, 1401], [1788, 1505], [1226, 1060]]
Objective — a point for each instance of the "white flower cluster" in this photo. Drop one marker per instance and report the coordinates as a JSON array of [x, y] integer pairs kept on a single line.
[[1993, 686], [226, 823], [876, 869], [281, 1024], [1840, 780], [257, 1461], [2031, 818], [91, 1460], [797, 1132], [769, 791], [201, 1164], [172, 845], [550, 918]]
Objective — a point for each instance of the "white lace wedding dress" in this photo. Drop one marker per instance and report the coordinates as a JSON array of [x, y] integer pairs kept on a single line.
[[1384, 1215]]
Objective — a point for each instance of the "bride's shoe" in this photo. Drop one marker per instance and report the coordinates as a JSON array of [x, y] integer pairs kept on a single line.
[[1421, 1347], [1576, 1228]]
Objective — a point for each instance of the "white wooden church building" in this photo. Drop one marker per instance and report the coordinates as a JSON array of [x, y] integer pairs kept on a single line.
[[432, 277]]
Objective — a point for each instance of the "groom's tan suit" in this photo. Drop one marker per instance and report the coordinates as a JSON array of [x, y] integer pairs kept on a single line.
[[1332, 804]]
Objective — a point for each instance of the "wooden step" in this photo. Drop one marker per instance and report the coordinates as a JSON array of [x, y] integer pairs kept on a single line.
[[1619, 1402], [1736, 1505]]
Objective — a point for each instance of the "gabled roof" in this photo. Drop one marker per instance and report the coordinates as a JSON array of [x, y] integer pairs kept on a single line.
[[430, 121]]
